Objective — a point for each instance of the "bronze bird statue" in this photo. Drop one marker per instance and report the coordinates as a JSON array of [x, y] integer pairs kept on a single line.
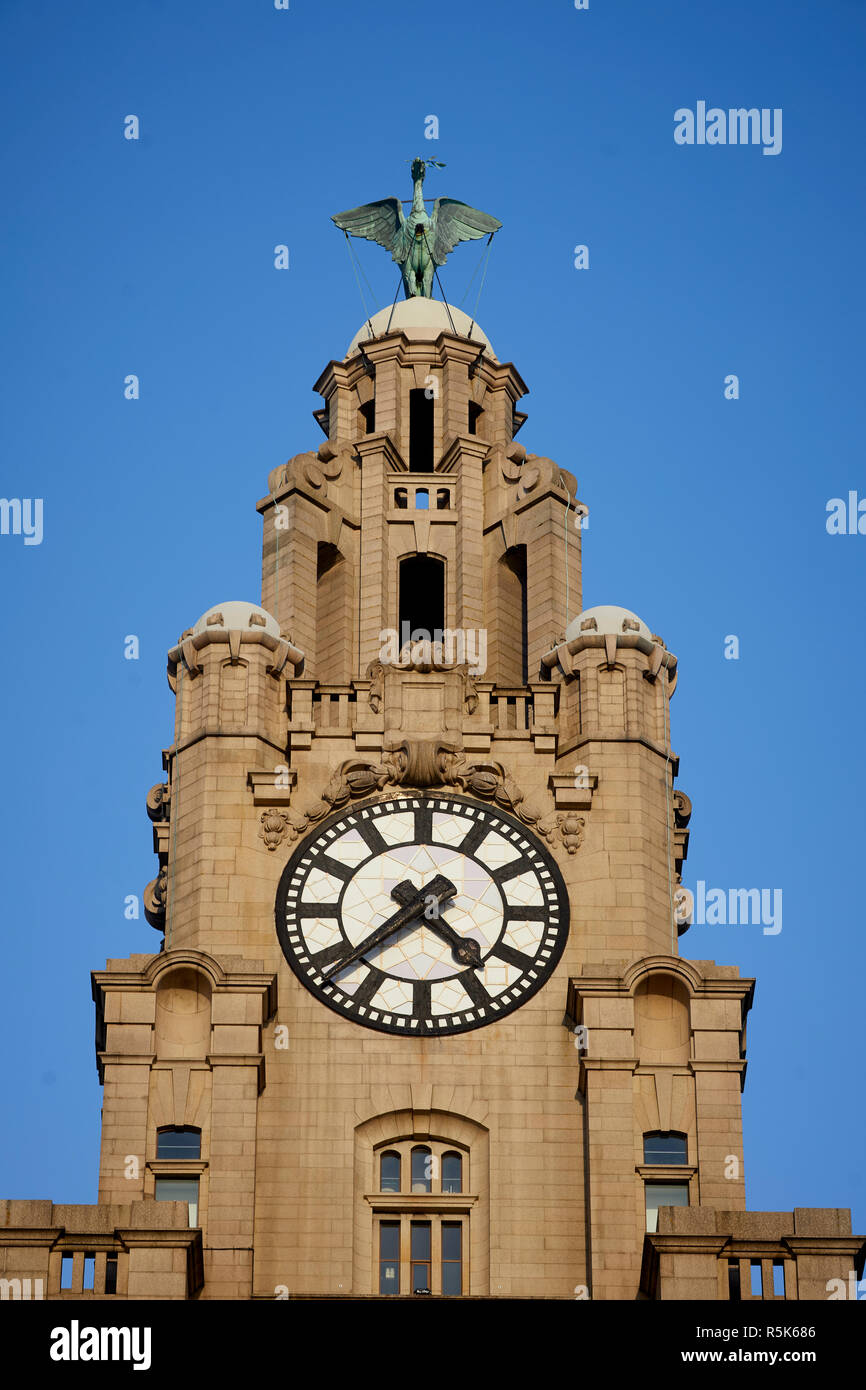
[[419, 242]]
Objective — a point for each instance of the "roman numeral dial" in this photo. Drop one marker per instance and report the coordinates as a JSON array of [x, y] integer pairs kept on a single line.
[[422, 916]]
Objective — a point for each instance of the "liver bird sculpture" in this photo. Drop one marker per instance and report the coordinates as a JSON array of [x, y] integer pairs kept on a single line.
[[419, 242]]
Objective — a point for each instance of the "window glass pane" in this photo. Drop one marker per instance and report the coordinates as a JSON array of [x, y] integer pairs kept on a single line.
[[422, 1167], [664, 1194], [389, 1179], [452, 1173], [664, 1148], [451, 1233], [389, 1257], [452, 1267], [179, 1190], [389, 1240], [178, 1143], [421, 1240], [420, 1245]]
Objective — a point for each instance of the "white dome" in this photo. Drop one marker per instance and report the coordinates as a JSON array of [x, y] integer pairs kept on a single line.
[[423, 319], [608, 618], [236, 614]]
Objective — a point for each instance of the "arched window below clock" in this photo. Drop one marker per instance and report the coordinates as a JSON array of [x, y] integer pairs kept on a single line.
[[422, 1204], [422, 1169]]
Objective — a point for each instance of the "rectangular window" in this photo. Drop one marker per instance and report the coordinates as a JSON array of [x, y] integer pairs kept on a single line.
[[389, 1257], [664, 1148], [421, 1245], [89, 1271], [778, 1279], [178, 1143], [111, 1274], [66, 1272], [664, 1194], [734, 1281], [452, 1257], [179, 1190], [757, 1281]]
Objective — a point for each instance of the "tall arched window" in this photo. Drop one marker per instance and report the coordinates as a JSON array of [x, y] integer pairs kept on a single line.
[[452, 1172], [422, 1169], [422, 597], [389, 1172], [333, 614], [509, 628]]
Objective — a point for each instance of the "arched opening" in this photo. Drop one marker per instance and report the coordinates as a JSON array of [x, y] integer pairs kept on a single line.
[[333, 615], [422, 597], [420, 431], [510, 617]]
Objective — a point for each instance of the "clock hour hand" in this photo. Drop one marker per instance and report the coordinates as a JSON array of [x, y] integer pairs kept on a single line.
[[466, 949], [413, 900]]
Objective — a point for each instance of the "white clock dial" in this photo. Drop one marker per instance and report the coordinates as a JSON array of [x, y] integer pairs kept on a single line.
[[360, 926]]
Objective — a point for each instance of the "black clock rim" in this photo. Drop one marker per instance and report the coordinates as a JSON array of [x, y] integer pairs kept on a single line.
[[392, 1030]]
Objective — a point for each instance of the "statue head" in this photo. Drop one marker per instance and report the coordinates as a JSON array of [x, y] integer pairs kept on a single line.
[[418, 170]]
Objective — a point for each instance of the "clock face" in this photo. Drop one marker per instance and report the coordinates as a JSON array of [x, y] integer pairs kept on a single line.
[[424, 916]]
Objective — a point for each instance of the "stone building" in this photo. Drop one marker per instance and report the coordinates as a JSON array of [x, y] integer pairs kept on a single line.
[[419, 1023]]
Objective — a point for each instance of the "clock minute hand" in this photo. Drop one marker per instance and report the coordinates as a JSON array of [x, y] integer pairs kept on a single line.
[[465, 948], [441, 887]]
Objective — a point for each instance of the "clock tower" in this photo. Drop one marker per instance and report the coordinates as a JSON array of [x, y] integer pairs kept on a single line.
[[417, 1022]]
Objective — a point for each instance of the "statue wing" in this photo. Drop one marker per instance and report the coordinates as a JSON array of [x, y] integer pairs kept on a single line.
[[383, 222], [453, 222]]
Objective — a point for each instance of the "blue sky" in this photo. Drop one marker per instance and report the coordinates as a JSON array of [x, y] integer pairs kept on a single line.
[[707, 515]]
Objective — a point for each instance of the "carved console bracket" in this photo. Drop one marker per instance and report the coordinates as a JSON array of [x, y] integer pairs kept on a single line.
[[572, 791], [272, 788]]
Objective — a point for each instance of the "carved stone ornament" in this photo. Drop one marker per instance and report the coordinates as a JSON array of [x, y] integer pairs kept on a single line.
[[422, 657], [159, 802], [155, 896], [419, 764], [571, 831]]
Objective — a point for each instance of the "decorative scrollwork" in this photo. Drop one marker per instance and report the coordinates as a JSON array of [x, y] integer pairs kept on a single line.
[[420, 763], [155, 898]]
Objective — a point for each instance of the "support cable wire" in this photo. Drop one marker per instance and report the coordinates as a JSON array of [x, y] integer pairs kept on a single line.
[[439, 283], [358, 283], [478, 265], [481, 286], [394, 305]]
